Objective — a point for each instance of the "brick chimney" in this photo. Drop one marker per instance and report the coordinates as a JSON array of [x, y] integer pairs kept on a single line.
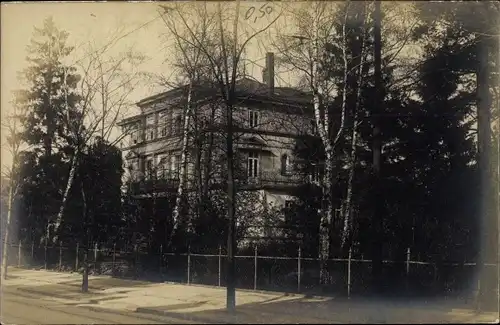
[[268, 72]]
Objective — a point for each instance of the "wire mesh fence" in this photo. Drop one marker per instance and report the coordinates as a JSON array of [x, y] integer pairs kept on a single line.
[[347, 275]]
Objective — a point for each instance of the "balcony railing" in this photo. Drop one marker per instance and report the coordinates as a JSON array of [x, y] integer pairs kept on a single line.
[[266, 179], [272, 179], [147, 186]]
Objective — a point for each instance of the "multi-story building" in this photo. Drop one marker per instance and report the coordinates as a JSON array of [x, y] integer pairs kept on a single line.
[[267, 121]]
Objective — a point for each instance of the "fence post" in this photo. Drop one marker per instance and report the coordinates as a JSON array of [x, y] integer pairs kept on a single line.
[[19, 253], [299, 269], [189, 265], [220, 258], [76, 259], [161, 259], [407, 261], [408, 268], [114, 259], [349, 274], [255, 270], [136, 260], [60, 255], [45, 255], [95, 257]]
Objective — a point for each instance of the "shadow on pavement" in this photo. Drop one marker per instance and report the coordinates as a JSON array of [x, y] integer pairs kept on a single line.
[[316, 311]]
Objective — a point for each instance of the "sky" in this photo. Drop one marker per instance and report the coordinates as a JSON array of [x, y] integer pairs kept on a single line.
[[139, 23], [141, 28]]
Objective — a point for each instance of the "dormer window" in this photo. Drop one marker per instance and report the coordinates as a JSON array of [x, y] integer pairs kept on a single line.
[[253, 118]]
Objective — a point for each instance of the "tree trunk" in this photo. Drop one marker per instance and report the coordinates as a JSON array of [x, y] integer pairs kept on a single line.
[[183, 169], [231, 196], [208, 155], [347, 211], [71, 177], [326, 213], [486, 217], [85, 275], [198, 163], [5, 254], [377, 221]]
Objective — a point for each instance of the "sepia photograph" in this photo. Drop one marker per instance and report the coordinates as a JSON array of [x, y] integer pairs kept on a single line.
[[250, 162]]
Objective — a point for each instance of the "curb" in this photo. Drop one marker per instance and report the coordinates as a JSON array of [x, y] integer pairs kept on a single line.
[[183, 316]]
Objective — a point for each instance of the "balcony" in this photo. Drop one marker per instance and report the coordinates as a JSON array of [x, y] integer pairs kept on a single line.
[[266, 180], [149, 186], [271, 180]]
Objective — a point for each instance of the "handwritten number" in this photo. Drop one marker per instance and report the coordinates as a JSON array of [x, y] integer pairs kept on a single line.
[[249, 13], [264, 9]]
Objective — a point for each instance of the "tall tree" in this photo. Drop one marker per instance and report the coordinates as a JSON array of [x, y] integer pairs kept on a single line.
[[477, 51], [225, 72], [377, 220], [11, 177], [307, 52], [50, 98]]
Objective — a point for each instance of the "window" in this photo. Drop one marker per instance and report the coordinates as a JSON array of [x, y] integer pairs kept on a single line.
[[175, 166], [285, 164], [150, 134], [162, 167], [149, 167], [133, 168], [316, 172], [163, 124], [150, 120], [253, 165], [253, 117], [178, 124], [150, 127], [134, 134], [288, 212]]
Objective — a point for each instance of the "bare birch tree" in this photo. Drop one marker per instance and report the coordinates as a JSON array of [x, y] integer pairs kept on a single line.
[[225, 73], [189, 61], [106, 83], [11, 173], [305, 52], [359, 59]]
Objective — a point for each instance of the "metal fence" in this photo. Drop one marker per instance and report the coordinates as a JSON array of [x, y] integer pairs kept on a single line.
[[347, 276]]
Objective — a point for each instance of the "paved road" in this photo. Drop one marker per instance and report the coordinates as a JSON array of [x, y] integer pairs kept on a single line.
[[23, 308]]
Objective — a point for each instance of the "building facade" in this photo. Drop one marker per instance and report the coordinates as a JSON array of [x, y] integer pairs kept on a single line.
[[267, 122]]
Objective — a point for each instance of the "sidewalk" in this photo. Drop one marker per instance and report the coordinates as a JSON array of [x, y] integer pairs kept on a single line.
[[207, 304]]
